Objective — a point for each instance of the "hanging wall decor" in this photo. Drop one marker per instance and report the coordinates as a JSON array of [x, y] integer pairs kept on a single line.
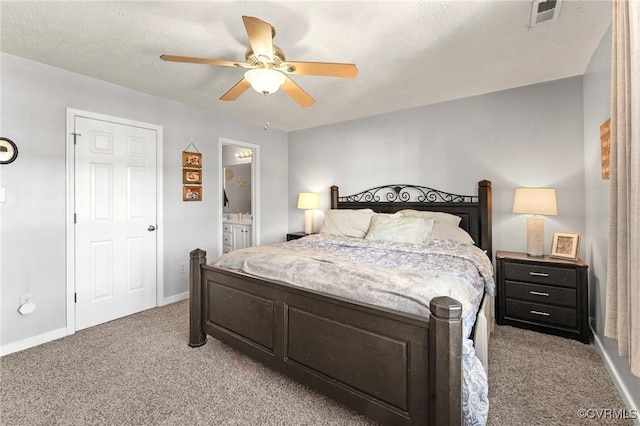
[[191, 159], [191, 174], [8, 151], [192, 193], [605, 147]]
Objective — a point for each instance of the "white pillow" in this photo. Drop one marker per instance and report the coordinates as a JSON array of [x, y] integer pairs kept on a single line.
[[351, 223], [414, 230], [438, 216], [448, 231]]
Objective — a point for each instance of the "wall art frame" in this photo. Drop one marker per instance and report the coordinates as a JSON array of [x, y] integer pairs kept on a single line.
[[191, 193], [191, 160], [605, 149], [192, 176], [8, 151]]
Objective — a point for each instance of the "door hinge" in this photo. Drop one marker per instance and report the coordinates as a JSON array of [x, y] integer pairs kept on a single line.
[[75, 138], [75, 297], [75, 218]]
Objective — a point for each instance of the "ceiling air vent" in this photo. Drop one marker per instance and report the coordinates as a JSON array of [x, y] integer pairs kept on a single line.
[[544, 11]]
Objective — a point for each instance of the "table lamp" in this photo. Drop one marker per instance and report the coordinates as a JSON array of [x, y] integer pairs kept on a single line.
[[536, 202], [308, 201]]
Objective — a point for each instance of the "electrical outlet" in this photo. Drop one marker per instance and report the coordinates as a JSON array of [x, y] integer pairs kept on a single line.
[[183, 268], [27, 298]]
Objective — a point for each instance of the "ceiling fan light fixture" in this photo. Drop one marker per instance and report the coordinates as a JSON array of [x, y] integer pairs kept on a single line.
[[268, 67], [265, 80]]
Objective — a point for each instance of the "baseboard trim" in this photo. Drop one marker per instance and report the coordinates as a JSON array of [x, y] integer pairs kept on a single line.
[[624, 392], [62, 332], [173, 299], [32, 341]]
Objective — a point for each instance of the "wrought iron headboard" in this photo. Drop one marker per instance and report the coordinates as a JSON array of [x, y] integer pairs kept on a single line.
[[475, 210]]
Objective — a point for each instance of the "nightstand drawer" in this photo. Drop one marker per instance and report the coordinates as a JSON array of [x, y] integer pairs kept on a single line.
[[541, 293], [540, 313], [565, 277]]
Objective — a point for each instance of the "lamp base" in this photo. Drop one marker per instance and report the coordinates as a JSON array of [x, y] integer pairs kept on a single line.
[[308, 222], [535, 236]]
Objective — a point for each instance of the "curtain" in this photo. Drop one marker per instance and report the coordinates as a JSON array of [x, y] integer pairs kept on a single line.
[[622, 321]]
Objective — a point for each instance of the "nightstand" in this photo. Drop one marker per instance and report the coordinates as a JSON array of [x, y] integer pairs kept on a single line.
[[295, 235], [543, 294]]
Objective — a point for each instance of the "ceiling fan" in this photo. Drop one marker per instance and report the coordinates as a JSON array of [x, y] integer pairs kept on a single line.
[[268, 67]]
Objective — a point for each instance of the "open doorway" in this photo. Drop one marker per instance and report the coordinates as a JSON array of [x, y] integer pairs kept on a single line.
[[239, 211]]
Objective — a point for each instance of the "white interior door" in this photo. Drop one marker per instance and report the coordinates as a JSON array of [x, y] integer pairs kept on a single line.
[[116, 218]]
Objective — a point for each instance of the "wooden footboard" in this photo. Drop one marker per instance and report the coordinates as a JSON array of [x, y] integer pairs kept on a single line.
[[393, 367]]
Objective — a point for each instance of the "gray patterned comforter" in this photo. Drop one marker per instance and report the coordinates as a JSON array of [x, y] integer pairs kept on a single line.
[[399, 276]]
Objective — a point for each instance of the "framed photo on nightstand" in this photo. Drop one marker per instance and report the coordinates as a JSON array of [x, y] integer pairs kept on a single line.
[[565, 245]]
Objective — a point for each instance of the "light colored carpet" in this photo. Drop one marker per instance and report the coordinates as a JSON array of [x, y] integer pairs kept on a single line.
[[538, 379], [139, 370]]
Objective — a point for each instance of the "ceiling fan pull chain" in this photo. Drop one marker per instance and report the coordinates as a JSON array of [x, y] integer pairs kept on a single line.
[[266, 108]]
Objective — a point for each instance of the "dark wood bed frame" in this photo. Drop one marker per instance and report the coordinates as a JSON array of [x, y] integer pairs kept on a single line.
[[391, 366]]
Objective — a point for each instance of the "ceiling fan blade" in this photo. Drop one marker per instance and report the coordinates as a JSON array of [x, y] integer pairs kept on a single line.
[[300, 96], [326, 69], [260, 35], [237, 90], [188, 59]]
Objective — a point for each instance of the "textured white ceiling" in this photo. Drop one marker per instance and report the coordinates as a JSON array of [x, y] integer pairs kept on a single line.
[[408, 53]]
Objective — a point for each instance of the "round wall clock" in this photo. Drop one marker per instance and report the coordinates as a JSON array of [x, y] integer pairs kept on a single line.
[[8, 151]]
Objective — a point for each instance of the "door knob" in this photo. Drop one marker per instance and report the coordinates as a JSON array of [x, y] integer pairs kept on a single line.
[[151, 228]]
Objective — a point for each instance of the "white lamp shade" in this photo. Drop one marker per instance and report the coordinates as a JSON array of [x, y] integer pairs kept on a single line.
[[309, 201], [265, 80], [535, 201]]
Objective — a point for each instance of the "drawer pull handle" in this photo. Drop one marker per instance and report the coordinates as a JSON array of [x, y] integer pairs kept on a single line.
[[539, 293], [538, 274], [544, 314]]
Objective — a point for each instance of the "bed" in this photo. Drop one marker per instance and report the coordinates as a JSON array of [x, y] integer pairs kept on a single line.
[[393, 366]]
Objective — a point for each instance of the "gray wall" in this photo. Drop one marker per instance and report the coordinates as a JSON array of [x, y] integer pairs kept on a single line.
[[528, 136], [540, 135], [32, 221], [596, 112]]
